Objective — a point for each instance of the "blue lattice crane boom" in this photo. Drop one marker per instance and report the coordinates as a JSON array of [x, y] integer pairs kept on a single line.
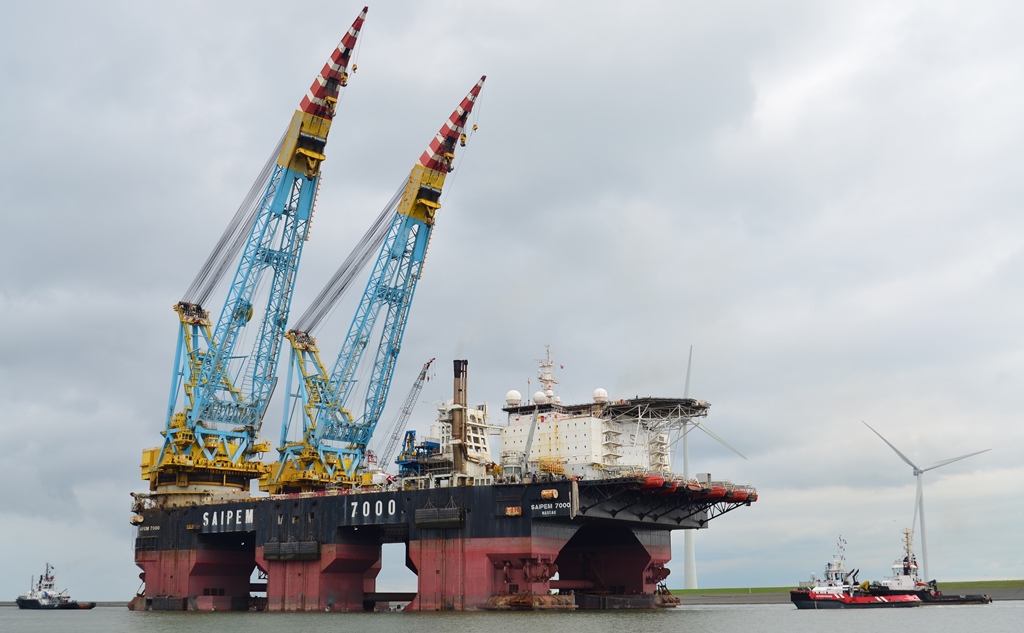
[[402, 419], [334, 441], [218, 396], [394, 278]]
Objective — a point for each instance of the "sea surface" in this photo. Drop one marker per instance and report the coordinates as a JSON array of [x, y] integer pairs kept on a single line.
[[998, 617]]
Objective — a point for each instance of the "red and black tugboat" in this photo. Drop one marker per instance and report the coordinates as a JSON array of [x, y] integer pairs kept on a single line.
[[905, 581], [839, 590]]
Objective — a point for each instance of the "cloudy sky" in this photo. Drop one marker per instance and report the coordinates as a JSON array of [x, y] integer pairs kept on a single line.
[[818, 197]]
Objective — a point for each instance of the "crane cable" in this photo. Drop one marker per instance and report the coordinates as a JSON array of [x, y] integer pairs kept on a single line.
[[475, 115], [356, 261], [354, 66], [234, 236], [358, 48]]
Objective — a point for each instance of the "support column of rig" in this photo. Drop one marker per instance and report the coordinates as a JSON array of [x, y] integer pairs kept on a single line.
[[458, 573], [335, 578]]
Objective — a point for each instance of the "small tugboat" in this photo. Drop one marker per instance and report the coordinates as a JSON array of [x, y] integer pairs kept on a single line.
[[838, 590], [905, 581], [43, 595]]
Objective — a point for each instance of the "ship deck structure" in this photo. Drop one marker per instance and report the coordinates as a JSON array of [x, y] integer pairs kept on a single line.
[[485, 537]]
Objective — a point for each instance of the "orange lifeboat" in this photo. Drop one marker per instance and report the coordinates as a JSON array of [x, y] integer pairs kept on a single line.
[[653, 481], [738, 495], [716, 492], [670, 486]]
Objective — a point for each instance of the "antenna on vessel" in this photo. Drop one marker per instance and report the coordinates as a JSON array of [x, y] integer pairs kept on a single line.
[[919, 503]]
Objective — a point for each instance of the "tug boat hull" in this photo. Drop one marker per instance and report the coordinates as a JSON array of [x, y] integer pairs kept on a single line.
[[804, 599], [929, 596]]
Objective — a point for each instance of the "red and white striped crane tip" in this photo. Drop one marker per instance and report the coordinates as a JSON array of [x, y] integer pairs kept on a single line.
[[441, 150], [334, 76]]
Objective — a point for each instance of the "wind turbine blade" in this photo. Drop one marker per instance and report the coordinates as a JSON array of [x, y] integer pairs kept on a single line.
[[954, 459], [902, 456], [719, 440], [690, 424]]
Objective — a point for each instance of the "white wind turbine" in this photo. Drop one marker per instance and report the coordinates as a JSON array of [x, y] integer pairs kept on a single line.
[[690, 554], [919, 504]]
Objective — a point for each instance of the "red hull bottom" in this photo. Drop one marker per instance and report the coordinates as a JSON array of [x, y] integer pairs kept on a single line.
[[619, 568]]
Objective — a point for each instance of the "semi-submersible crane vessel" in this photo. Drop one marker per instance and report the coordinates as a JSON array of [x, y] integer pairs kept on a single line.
[[577, 512]]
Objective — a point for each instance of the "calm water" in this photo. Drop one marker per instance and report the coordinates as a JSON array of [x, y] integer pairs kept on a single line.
[[1006, 617], [998, 617]]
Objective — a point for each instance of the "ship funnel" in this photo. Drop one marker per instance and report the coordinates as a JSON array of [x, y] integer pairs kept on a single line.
[[460, 382], [459, 401]]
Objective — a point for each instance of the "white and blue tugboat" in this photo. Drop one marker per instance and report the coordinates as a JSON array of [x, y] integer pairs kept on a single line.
[[44, 595]]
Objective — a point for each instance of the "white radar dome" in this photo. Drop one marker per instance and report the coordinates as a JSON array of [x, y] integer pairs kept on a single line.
[[540, 398], [600, 395], [513, 398]]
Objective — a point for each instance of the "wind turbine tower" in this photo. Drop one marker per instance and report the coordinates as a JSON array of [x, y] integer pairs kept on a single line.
[[919, 505], [690, 555], [689, 549]]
